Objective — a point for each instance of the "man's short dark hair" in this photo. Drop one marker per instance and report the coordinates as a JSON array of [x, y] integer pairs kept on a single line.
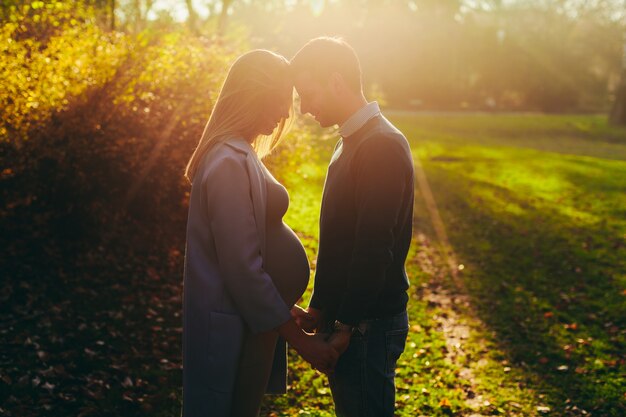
[[323, 56]]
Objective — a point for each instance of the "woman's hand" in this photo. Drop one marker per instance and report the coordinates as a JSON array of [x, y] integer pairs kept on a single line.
[[308, 320]]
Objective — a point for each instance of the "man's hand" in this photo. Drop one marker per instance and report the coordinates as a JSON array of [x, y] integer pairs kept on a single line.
[[340, 340], [318, 352], [312, 347], [308, 320]]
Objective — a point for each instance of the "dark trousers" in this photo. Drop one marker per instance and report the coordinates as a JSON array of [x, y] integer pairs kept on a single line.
[[363, 382]]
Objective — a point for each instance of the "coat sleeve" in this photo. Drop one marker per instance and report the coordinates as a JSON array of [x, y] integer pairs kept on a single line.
[[237, 244]]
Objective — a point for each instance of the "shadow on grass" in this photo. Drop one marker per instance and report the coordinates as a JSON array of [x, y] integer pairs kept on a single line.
[[90, 294], [87, 325], [551, 286]]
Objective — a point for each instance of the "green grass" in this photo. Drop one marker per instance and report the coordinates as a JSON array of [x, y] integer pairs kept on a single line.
[[535, 209]]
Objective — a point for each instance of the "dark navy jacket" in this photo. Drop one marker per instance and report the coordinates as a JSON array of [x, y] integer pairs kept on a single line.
[[365, 226]]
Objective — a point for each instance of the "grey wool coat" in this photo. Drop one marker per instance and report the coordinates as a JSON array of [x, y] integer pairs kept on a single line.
[[226, 290]]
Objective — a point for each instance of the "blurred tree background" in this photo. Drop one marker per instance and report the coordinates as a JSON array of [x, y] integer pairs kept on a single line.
[[485, 55], [103, 101], [541, 55]]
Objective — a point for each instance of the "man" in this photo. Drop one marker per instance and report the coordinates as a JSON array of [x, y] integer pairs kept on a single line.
[[365, 231]]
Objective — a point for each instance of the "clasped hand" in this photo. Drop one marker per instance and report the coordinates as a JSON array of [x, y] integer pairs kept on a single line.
[[322, 350]]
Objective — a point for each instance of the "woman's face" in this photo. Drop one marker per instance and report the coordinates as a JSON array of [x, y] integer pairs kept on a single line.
[[276, 108]]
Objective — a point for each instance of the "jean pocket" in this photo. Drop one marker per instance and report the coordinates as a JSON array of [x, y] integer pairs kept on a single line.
[[226, 335], [395, 341]]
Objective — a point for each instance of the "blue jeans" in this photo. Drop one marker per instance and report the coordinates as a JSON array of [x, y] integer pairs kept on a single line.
[[363, 382]]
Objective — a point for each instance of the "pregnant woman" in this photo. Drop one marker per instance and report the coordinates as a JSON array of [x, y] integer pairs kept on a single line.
[[286, 262], [244, 268]]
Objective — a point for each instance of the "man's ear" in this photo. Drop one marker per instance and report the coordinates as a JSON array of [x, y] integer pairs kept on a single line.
[[337, 84]]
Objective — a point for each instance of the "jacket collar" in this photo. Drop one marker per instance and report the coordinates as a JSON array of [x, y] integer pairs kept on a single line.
[[240, 144], [358, 119]]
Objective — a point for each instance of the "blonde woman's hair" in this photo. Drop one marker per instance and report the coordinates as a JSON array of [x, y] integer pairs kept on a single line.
[[251, 81]]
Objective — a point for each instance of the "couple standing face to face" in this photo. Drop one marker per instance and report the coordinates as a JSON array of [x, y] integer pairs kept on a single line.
[[257, 96], [326, 78], [232, 301]]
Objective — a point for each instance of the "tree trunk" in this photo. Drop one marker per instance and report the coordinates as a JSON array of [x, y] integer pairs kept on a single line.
[[193, 17], [112, 11], [221, 25], [618, 112]]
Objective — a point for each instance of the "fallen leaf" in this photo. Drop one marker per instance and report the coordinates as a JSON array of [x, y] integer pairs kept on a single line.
[[48, 386], [153, 274], [127, 382], [445, 403]]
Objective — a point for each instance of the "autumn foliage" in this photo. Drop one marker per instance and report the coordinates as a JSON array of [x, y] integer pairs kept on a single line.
[[97, 126], [95, 132]]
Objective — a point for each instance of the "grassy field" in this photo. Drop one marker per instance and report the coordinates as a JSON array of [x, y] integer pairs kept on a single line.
[[535, 212], [529, 321]]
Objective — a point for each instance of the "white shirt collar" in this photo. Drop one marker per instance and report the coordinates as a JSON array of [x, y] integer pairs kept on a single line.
[[358, 119]]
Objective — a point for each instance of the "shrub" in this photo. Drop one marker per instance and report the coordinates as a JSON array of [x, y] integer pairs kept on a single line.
[[97, 126]]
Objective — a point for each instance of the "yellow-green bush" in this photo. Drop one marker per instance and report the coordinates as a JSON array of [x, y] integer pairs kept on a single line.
[[96, 125], [50, 55]]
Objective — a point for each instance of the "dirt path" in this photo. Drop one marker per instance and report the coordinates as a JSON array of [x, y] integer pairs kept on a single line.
[[482, 372]]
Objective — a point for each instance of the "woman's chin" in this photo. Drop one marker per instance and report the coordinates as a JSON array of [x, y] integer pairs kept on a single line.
[[269, 130]]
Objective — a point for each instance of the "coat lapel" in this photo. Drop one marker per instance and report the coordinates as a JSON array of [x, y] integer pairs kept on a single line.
[[258, 189], [258, 186]]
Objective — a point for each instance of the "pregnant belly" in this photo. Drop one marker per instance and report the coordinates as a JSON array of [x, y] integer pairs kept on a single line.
[[286, 262]]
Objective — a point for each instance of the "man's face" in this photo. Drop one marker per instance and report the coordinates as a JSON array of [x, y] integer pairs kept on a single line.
[[316, 99]]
